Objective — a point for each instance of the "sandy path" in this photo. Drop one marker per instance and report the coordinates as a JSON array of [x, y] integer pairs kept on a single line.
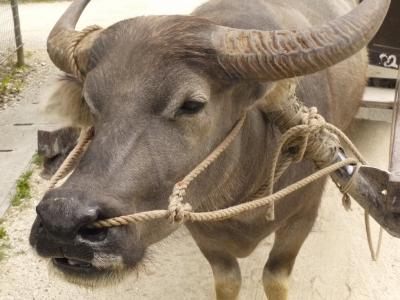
[[333, 264]]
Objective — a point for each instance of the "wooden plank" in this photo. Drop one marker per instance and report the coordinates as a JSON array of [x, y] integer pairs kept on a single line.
[[375, 97], [381, 72], [395, 137]]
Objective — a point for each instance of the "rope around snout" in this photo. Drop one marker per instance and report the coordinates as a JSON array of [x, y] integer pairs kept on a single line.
[[180, 212], [186, 215]]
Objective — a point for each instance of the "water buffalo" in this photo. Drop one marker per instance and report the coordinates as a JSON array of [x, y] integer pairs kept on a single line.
[[162, 92]]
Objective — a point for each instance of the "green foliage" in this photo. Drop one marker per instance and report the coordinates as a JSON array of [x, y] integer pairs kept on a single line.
[[3, 233], [13, 81], [5, 83], [23, 190], [4, 243], [37, 160]]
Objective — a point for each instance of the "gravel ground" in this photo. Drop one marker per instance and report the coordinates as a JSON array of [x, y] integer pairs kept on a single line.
[[26, 80]]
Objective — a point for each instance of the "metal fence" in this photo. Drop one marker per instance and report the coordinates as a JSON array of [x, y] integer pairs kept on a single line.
[[11, 47]]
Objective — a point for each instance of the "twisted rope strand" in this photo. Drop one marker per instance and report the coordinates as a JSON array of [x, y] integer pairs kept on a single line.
[[70, 161], [353, 149], [227, 213], [180, 188], [375, 251], [176, 206], [78, 37]]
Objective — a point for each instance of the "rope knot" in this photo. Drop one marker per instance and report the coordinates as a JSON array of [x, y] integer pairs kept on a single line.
[[319, 143], [309, 137], [178, 210]]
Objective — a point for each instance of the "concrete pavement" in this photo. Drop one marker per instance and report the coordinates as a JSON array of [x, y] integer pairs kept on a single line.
[[18, 127]]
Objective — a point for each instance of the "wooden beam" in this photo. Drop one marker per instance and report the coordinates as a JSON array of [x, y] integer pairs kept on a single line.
[[376, 97], [394, 164], [381, 72]]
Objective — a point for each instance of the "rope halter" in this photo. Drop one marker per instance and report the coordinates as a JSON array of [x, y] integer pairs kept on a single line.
[[306, 135]]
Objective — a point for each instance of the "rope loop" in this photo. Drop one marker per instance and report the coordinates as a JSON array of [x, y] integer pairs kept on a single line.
[[177, 210], [71, 49], [70, 161]]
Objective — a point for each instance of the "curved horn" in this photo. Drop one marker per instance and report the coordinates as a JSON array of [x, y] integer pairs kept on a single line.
[[274, 55], [64, 42]]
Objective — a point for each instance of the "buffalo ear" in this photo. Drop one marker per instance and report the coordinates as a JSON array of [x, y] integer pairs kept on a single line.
[[64, 103]]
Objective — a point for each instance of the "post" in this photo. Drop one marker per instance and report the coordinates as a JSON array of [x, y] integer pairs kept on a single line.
[[394, 165], [17, 32]]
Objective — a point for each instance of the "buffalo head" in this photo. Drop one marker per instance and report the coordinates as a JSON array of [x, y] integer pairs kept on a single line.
[[161, 93]]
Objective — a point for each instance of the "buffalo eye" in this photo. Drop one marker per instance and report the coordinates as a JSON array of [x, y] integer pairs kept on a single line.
[[190, 107]]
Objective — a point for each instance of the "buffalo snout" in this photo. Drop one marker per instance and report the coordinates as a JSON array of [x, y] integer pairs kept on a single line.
[[63, 216], [61, 232]]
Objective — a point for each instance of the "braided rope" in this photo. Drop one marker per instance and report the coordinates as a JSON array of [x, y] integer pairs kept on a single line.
[[374, 251], [176, 207], [311, 124], [78, 37], [70, 161], [227, 213], [181, 213]]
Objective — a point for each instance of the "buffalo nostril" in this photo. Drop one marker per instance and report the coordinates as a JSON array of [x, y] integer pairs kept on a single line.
[[63, 215], [40, 227], [93, 234]]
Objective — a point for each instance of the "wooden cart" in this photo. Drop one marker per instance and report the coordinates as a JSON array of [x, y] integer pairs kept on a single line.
[[384, 52], [383, 96]]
